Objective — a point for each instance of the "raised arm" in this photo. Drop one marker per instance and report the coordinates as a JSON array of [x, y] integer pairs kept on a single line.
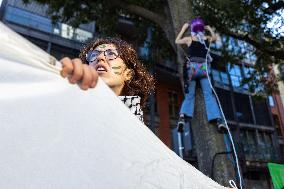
[[183, 40], [79, 73], [212, 36]]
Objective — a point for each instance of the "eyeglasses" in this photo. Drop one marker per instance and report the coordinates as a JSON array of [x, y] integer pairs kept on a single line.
[[110, 54]]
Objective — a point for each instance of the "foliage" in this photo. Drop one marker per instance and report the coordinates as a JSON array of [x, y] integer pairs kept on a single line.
[[248, 20], [242, 24]]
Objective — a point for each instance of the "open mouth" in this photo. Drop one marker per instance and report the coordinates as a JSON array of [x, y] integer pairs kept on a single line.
[[101, 68]]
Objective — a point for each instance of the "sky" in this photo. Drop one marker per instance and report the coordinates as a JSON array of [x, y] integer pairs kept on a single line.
[[278, 22]]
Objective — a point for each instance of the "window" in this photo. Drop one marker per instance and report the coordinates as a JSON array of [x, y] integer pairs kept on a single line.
[[235, 75], [269, 146], [249, 144], [226, 103], [262, 151], [216, 76], [271, 101], [77, 34], [265, 146], [243, 109], [225, 78], [220, 77], [261, 112], [173, 104]]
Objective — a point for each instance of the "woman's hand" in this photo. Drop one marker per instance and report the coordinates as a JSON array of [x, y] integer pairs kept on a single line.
[[77, 72], [213, 36], [207, 27], [185, 26]]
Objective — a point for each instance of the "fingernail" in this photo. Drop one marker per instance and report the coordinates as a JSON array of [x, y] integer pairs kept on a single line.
[[72, 81], [93, 84], [84, 87], [63, 74]]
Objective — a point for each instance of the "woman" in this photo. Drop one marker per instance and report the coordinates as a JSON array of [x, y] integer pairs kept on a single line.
[[198, 49], [117, 64]]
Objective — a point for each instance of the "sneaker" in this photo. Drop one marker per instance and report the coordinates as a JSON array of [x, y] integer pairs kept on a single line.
[[221, 126], [181, 123]]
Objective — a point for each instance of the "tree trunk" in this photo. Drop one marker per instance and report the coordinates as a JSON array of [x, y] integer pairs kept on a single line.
[[209, 142], [180, 13]]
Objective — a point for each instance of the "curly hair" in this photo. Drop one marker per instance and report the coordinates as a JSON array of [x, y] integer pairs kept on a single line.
[[141, 82]]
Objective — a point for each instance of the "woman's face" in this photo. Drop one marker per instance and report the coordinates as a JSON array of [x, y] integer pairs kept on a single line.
[[109, 66]]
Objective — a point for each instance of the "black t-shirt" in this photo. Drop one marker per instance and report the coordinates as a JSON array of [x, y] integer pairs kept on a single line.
[[197, 49]]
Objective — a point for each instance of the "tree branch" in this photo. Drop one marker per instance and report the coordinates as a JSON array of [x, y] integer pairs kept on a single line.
[[150, 15], [140, 11]]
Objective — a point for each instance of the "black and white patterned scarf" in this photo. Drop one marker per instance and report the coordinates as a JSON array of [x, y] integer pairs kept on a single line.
[[133, 103]]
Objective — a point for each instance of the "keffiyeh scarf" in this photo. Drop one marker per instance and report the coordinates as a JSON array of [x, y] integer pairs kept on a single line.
[[133, 103]]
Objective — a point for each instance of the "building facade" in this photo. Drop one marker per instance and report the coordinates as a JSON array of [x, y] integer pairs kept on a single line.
[[31, 21]]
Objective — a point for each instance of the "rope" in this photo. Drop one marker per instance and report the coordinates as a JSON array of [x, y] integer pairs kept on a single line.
[[232, 184], [223, 115]]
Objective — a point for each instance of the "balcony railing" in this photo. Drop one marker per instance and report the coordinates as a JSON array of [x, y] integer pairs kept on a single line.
[[44, 24], [262, 153]]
